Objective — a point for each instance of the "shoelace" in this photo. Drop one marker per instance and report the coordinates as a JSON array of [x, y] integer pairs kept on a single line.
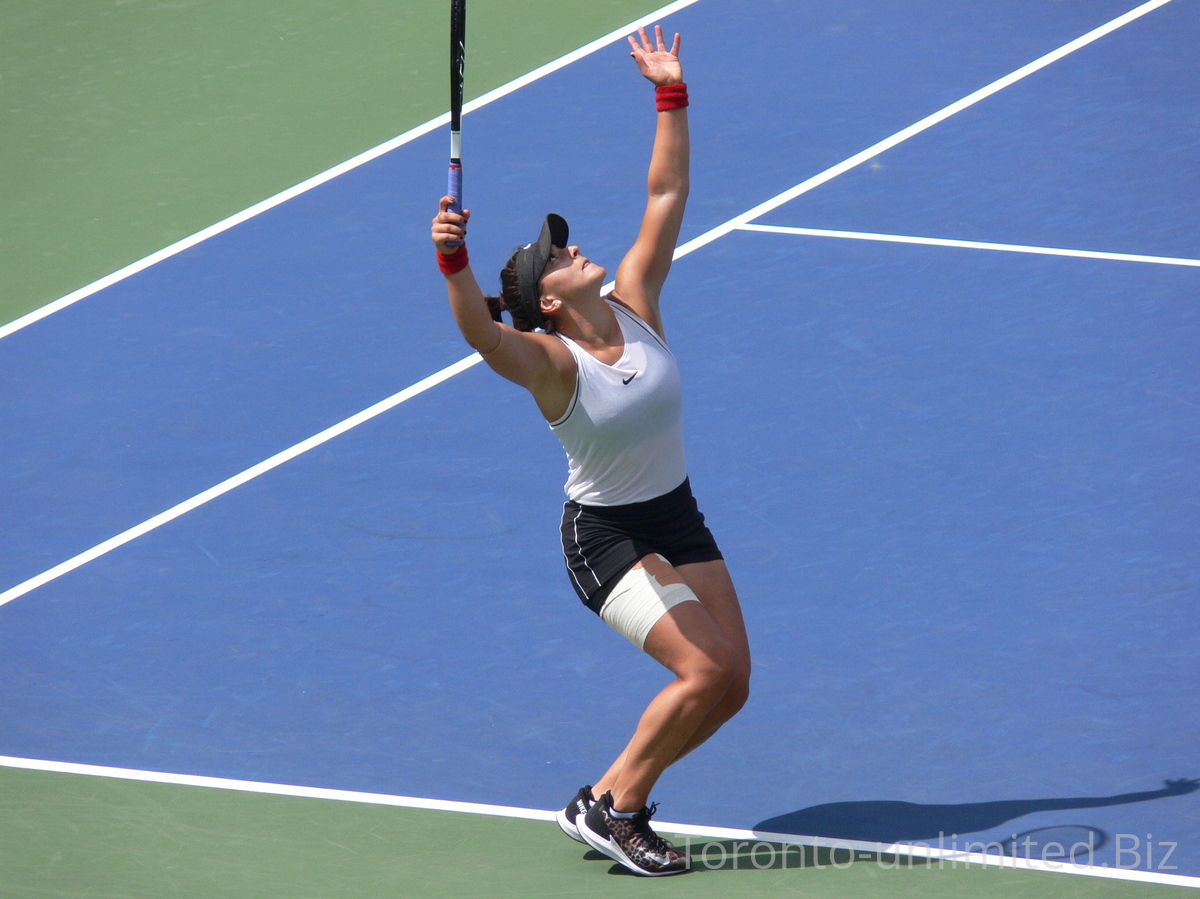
[[641, 823]]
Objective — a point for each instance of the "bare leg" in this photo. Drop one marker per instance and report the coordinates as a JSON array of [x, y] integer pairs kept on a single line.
[[704, 644], [710, 581]]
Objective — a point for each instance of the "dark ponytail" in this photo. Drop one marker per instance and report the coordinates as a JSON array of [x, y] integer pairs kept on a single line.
[[495, 308], [523, 318]]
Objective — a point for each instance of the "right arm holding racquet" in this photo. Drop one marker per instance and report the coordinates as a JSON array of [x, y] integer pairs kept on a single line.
[[467, 301], [537, 362]]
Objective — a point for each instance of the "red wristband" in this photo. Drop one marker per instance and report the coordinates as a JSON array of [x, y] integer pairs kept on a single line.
[[671, 96], [455, 262]]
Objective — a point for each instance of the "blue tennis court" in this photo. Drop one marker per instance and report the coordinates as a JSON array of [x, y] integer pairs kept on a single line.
[[954, 469]]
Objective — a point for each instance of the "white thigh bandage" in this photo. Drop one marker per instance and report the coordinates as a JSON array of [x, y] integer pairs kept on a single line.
[[638, 601]]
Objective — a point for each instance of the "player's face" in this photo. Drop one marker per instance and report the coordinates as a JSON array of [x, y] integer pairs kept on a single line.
[[568, 272]]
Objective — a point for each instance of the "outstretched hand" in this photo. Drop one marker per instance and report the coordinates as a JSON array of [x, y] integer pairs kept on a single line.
[[656, 62]]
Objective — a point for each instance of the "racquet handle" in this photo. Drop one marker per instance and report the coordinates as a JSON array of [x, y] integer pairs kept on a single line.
[[454, 190]]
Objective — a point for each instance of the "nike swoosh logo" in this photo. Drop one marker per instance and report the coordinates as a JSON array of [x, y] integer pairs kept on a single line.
[[630, 378]]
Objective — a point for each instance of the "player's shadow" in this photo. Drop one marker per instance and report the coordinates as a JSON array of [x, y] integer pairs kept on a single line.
[[887, 821], [742, 855]]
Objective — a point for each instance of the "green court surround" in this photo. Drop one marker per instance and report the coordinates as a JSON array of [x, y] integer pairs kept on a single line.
[[130, 124], [70, 836]]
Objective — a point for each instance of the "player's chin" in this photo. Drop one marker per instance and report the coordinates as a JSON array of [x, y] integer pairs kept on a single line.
[[595, 272]]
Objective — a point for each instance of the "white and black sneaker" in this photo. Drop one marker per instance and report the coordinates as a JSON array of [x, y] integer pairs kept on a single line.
[[630, 841], [569, 817]]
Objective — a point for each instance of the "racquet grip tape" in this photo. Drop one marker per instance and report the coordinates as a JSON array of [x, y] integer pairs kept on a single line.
[[454, 190]]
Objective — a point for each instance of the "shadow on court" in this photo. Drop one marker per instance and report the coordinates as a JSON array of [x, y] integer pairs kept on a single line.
[[749, 855], [886, 821], [898, 822]]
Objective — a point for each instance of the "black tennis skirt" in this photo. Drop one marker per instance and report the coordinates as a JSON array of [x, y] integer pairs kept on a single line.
[[601, 543]]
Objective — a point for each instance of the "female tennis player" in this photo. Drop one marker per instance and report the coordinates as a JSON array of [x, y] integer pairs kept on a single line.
[[637, 550]]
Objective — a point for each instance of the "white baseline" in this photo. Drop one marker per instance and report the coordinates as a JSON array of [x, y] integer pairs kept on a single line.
[[903, 850]]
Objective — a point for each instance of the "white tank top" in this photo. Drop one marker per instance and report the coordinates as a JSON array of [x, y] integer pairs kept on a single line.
[[623, 429]]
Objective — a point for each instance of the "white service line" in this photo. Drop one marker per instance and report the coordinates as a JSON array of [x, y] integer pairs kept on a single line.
[[852, 847], [968, 244], [237, 480], [916, 128], [696, 243], [340, 169]]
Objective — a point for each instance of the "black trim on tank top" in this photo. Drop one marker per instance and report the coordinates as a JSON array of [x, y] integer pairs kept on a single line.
[[574, 395], [617, 305]]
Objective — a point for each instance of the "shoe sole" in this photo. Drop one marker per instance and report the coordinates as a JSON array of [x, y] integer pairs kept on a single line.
[[568, 827], [613, 851]]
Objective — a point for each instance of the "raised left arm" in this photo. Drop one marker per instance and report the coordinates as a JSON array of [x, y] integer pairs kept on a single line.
[[644, 269]]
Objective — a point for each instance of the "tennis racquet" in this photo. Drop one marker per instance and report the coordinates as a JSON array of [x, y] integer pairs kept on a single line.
[[458, 36]]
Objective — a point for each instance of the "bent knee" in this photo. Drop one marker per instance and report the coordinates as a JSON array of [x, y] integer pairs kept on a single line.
[[714, 673], [738, 692]]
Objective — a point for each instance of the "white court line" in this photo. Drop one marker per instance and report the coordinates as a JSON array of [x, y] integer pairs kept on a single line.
[[692, 245], [904, 850], [968, 244], [923, 125], [237, 480], [340, 169], [270, 789]]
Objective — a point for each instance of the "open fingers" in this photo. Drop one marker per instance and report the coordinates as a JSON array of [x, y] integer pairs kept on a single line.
[[658, 44]]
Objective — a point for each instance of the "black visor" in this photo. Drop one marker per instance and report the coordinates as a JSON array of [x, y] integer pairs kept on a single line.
[[532, 259]]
